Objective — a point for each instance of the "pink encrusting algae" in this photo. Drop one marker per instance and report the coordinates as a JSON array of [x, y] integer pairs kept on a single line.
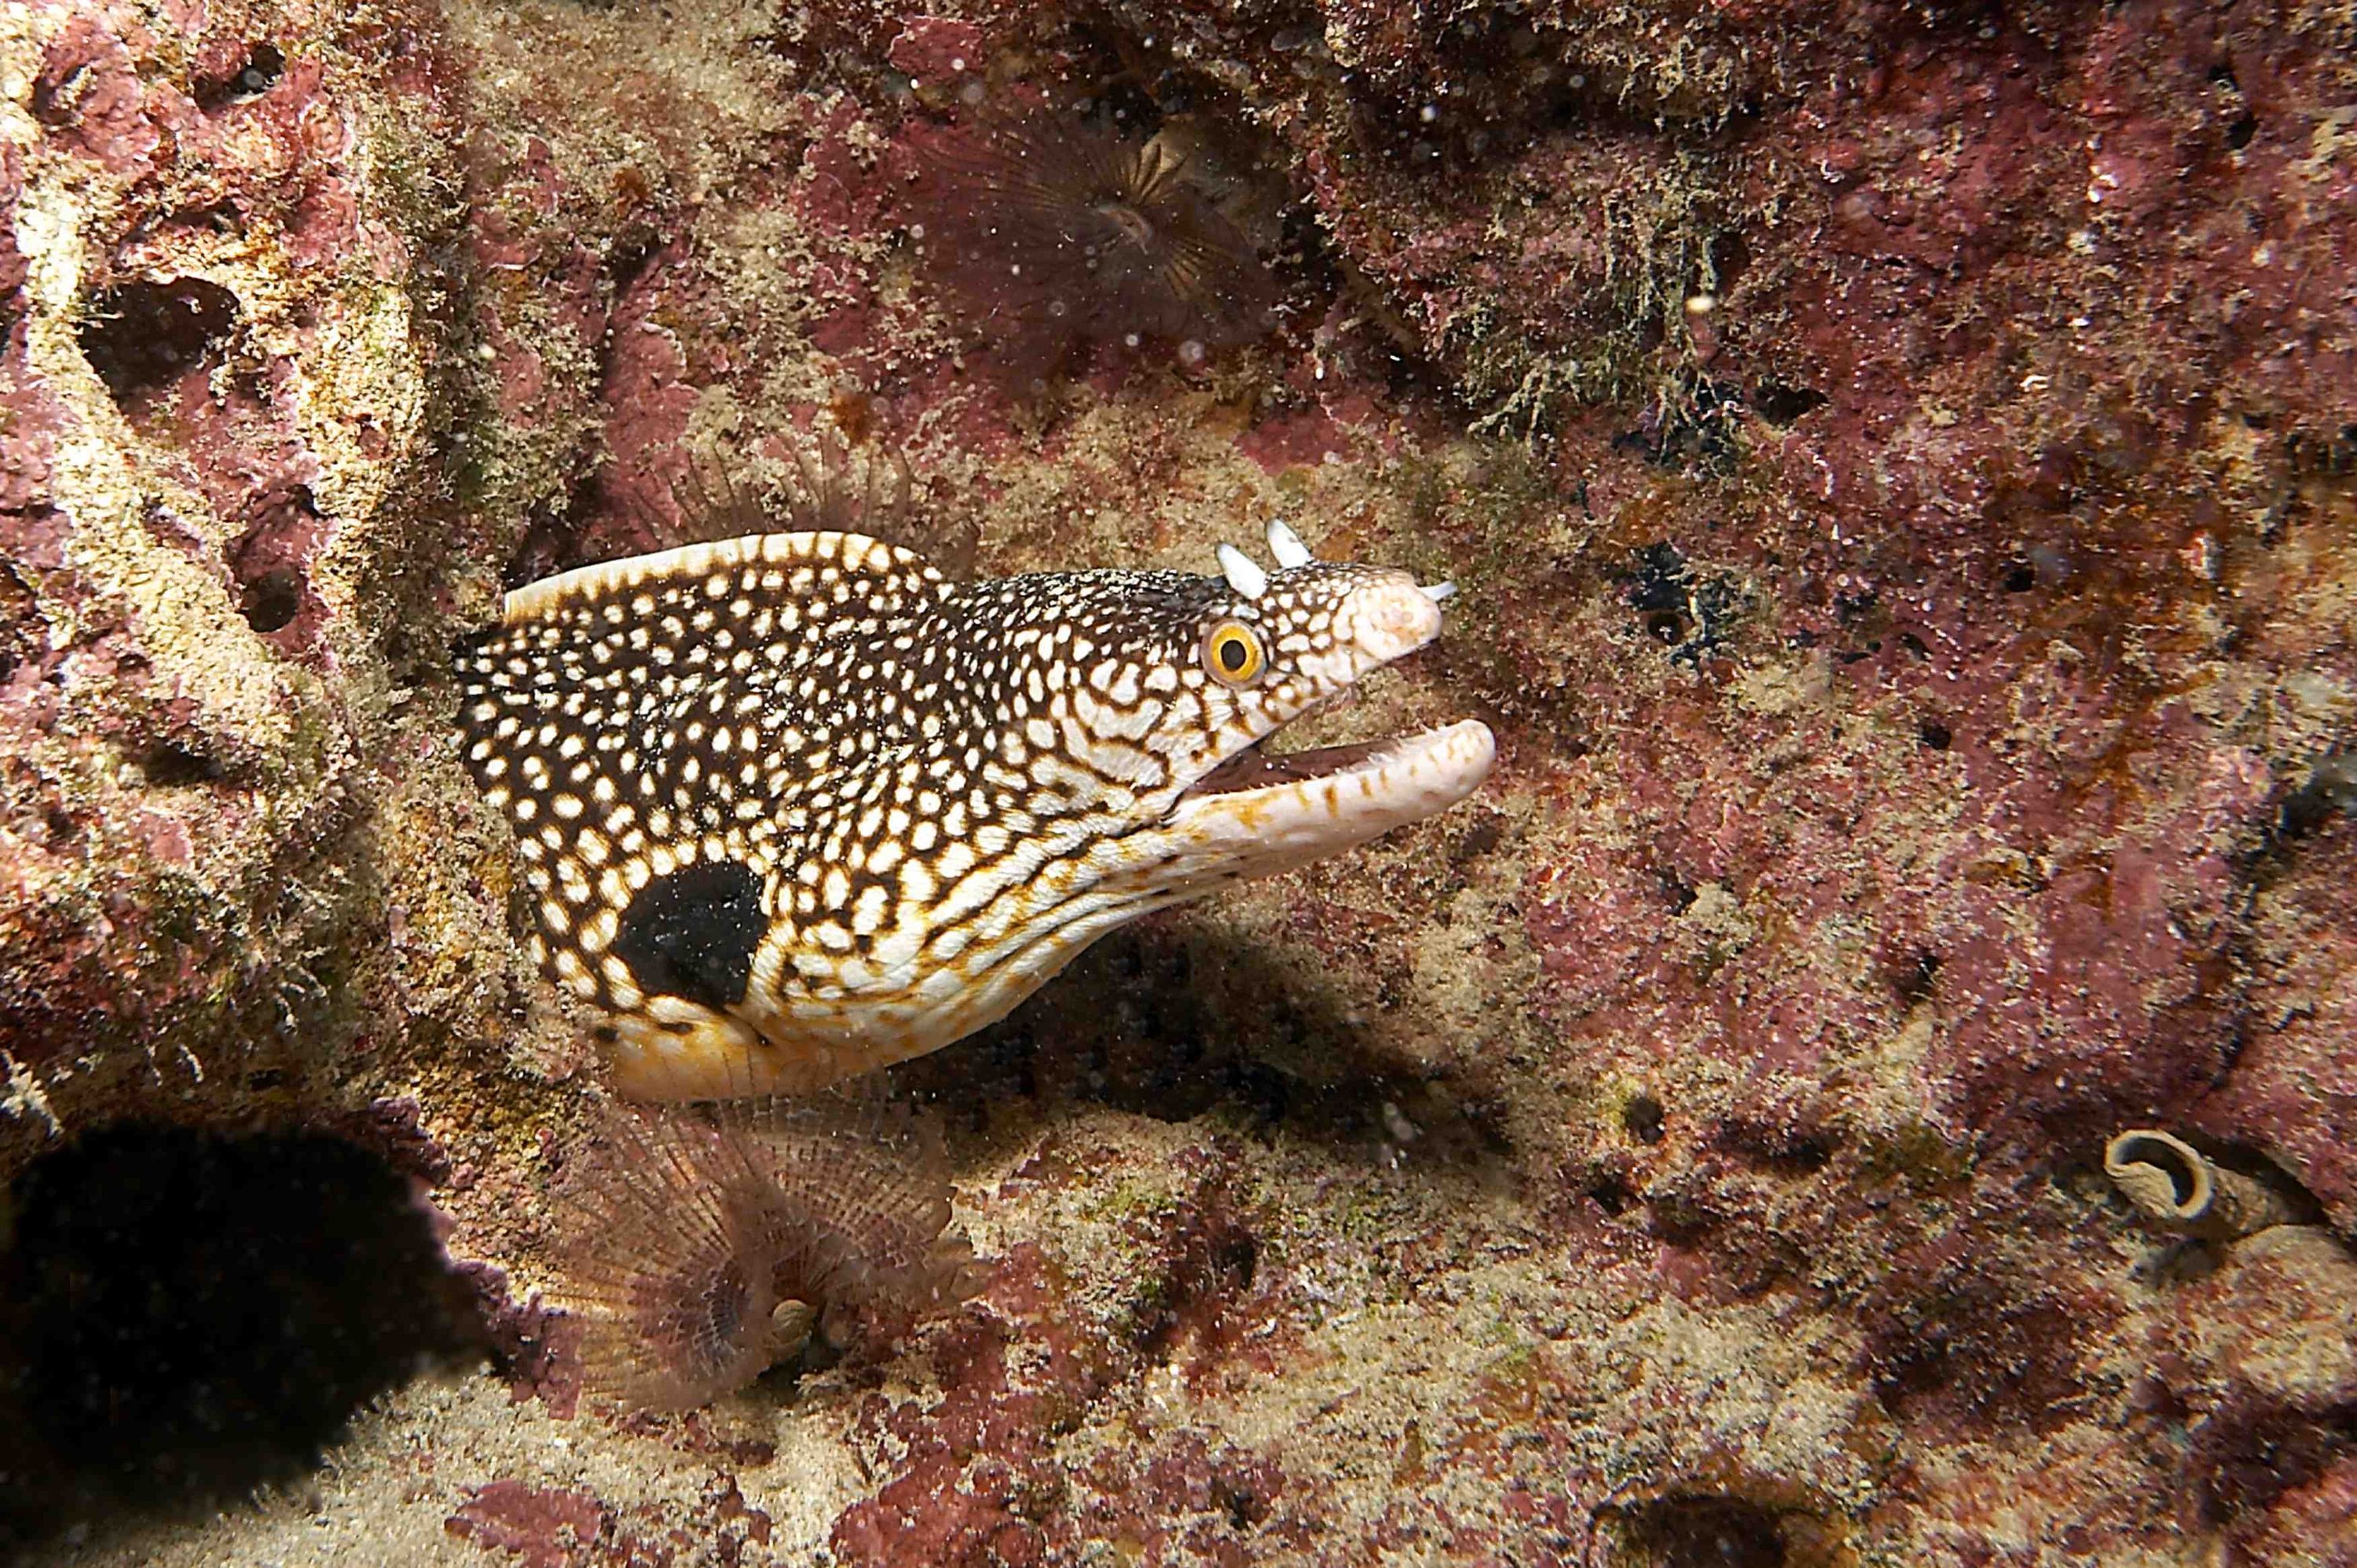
[[1898, 471]]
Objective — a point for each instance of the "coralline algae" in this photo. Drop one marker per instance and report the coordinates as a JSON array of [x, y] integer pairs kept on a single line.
[[1693, 1155]]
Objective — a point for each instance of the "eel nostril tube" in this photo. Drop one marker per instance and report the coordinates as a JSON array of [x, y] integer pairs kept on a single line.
[[2178, 1187]]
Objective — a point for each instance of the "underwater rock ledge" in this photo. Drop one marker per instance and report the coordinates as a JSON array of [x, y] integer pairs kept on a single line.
[[1902, 474]]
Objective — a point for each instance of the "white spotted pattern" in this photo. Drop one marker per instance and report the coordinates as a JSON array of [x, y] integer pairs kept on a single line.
[[916, 800]]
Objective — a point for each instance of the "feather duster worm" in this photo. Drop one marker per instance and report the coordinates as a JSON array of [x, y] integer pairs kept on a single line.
[[1060, 234], [818, 482], [700, 1250]]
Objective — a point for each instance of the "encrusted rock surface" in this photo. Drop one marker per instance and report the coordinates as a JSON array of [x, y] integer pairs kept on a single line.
[[1902, 470]]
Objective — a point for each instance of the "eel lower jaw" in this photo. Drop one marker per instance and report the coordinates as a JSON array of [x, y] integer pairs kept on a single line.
[[1260, 812]]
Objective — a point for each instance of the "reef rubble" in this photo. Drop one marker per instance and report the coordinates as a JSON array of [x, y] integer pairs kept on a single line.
[[1901, 469]]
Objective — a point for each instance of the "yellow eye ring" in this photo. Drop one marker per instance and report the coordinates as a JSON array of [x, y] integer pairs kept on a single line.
[[1233, 654]]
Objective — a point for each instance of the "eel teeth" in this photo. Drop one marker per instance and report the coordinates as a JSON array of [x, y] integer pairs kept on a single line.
[[1287, 546], [1439, 593], [1244, 575]]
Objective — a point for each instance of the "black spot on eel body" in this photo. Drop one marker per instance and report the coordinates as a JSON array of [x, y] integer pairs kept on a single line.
[[693, 932]]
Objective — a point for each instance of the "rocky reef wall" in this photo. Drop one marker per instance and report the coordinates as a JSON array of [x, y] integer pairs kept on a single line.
[[1900, 463]]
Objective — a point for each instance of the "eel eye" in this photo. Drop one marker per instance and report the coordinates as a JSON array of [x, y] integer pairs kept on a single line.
[[1233, 654]]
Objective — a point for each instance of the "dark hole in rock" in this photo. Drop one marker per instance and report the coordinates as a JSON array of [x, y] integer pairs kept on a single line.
[[1780, 404], [1934, 734], [190, 1313], [262, 69], [1643, 1119], [272, 600], [2020, 576], [141, 337], [2330, 791], [1685, 613], [23, 630], [1680, 1221], [1675, 888], [1730, 256], [1486, 831], [256, 75], [1790, 1152], [1913, 975], [1240, 1501], [2239, 134], [1913, 1369], [1704, 1531], [1236, 1256], [1610, 1193], [2316, 454], [171, 765]]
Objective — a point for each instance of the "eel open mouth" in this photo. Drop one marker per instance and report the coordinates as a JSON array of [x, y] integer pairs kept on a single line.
[[1260, 812], [1257, 767]]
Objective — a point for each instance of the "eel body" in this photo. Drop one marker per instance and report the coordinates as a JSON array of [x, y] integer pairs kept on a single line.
[[795, 806]]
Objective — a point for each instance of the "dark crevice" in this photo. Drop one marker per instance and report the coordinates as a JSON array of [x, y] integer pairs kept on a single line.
[[256, 75], [271, 601], [142, 337], [1610, 1192], [1778, 1151], [266, 560], [2330, 792], [1703, 1530], [1643, 1119], [1780, 404], [188, 1315], [169, 765]]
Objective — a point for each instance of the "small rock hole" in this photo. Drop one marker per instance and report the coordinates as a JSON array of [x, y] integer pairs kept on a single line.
[[1612, 1194], [267, 559], [1782, 1152], [1643, 1119], [2330, 791], [2239, 134], [257, 74], [1730, 258], [1780, 404], [1704, 1531], [143, 336], [23, 630], [2020, 576], [1935, 736], [272, 601], [169, 765], [1913, 977], [1243, 1506]]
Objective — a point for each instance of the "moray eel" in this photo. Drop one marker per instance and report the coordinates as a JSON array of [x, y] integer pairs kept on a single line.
[[796, 806]]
